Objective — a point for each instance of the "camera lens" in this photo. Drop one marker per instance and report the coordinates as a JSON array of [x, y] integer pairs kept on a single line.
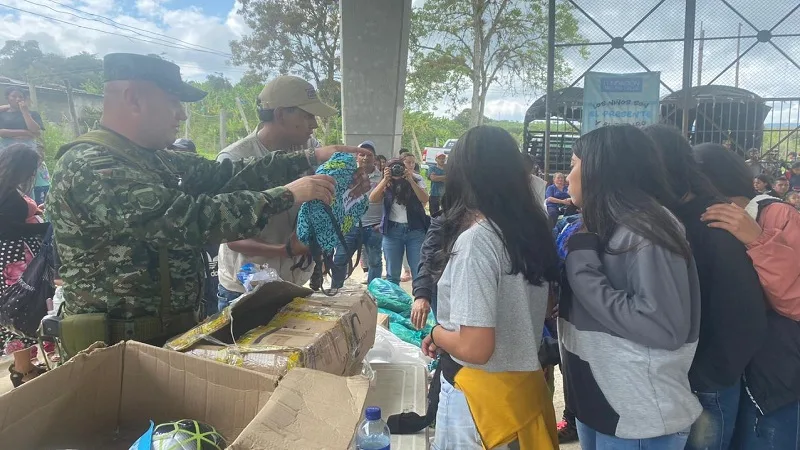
[[398, 170]]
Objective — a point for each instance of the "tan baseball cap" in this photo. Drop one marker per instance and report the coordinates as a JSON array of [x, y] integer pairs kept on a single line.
[[293, 92]]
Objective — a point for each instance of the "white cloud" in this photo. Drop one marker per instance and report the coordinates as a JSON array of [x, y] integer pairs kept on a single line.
[[150, 8], [235, 21], [101, 7], [506, 109], [184, 28]]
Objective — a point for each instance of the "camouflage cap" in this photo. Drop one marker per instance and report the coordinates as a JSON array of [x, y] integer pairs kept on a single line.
[[166, 75]]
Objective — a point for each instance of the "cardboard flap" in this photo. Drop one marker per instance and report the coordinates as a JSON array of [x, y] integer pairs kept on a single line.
[[309, 409], [251, 310], [60, 407], [163, 385]]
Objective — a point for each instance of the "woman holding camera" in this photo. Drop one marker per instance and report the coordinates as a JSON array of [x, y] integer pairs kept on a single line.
[[404, 219]]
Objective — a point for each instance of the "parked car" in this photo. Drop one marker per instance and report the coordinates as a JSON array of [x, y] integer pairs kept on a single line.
[[429, 154]]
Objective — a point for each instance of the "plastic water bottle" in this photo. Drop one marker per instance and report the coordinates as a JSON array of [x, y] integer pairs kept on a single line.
[[373, 433]]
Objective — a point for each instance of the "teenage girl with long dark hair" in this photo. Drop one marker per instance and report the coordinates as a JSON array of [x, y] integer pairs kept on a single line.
[[629, 313], [496, 259]]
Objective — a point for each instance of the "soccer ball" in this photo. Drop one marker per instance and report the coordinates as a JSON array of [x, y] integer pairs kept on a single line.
[[187, 435]]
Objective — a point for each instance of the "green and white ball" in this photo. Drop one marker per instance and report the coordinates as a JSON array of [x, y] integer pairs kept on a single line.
[[187, 435]]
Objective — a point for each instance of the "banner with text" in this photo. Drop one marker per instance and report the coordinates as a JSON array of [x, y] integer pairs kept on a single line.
[[612, 99]]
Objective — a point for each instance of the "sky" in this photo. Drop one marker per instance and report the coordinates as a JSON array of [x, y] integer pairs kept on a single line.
[[209, 25]]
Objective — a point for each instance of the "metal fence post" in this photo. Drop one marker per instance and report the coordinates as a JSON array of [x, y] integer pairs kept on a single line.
[[548, 100], [688, 62]]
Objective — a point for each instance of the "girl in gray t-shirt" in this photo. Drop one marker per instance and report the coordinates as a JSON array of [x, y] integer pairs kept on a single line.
[[496, 259]]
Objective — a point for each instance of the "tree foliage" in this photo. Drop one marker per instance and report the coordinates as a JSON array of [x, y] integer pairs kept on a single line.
[[457, 45], [204, 116], [299, 37], [424, 129], [25, 61]]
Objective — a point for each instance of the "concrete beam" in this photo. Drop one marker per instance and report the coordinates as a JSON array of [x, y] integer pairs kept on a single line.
[[375, 37]]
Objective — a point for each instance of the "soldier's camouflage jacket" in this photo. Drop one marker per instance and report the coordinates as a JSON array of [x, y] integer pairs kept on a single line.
[[111, 214]]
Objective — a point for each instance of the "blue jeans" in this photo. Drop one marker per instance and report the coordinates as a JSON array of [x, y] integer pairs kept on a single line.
[[713, 430], [777, 430], [371, 239], [399, 240], [592, 440], [40, 194], [225, 297], [455, 428]]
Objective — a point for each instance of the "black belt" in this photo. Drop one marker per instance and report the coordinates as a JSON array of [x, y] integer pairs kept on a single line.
[[449, 367]]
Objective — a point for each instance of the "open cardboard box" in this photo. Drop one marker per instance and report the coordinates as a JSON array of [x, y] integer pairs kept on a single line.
[[278, 327], [105, 400]]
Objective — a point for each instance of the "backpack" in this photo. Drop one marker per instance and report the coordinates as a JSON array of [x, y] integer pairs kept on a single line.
[[322, 227], [24, 305], [758, 203]]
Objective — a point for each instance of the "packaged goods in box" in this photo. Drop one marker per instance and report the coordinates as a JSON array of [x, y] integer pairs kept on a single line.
[[330, 334]]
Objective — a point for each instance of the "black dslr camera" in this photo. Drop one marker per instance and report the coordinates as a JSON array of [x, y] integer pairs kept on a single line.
[[397, 169]]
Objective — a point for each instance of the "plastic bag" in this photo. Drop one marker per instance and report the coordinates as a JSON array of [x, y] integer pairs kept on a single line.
[[391, 296], [253, 275], [58, 299], [388, 348], [402, 327]]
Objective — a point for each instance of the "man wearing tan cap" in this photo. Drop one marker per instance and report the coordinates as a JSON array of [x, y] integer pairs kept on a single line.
[[287, 111]]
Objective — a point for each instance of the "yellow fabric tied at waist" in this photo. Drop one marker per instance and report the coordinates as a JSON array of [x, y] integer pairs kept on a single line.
[[509, 407]]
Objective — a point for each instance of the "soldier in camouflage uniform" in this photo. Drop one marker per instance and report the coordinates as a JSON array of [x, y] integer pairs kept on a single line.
[[131, 219]]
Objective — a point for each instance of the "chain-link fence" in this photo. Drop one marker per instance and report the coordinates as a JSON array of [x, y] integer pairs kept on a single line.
[[738, 59]]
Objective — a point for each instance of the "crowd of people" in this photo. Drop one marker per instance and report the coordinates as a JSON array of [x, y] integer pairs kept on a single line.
[[663, 277], [676, 285]]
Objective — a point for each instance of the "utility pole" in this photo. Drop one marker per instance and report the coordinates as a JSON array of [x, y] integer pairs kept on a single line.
[[688, 60], [188, 121], [548, 99], [700, 55], [76, 129], [32, 93], [241, 112], [223, 129], [738, 51]]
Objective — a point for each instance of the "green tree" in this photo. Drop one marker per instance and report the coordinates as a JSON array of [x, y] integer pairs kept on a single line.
[[477, 44], [204, 116], [25, 61], [299, 37], [423, 129]]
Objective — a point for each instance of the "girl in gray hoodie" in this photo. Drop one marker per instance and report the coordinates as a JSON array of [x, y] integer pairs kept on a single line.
[[630, 314]]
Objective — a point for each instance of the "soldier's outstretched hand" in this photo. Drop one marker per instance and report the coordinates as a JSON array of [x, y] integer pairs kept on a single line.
[[312, 187], [324, 153]]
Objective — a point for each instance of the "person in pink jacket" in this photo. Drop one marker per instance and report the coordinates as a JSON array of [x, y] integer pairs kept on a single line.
[[769, 407], [770, 229]]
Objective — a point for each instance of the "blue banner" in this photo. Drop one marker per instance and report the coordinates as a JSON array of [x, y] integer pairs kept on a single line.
[[612, 99]]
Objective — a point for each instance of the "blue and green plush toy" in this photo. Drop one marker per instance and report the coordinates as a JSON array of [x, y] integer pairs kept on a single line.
[[314, 224]]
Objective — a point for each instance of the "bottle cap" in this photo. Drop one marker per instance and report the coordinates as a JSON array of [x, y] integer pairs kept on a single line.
[[373, 413]]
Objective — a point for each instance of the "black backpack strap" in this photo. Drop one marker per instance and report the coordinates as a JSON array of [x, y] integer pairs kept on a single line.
[[328, 258], [763, 203], [321, 258]]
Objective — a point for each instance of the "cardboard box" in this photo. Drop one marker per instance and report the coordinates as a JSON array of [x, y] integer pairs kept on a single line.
[[330, 334], [81, 404], [383, 320]]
